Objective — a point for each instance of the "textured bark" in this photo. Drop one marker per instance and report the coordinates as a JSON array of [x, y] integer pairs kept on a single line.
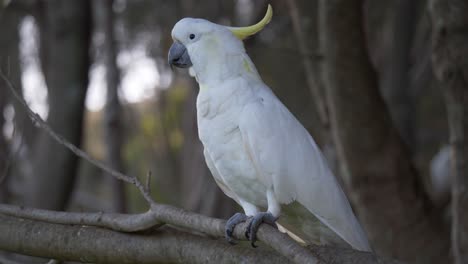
[[113, 126], [93, 244], [385, 190], [449, 58], [65, 37], [97, 245]]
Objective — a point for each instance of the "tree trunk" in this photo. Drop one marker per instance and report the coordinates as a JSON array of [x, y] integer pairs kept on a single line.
[[113, 128], [10, 18], [3, 151], [66, 39], [401, 94], [10, 61], [384, 187], [449, 58]]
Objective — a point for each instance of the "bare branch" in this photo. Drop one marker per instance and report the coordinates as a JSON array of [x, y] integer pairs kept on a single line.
[[163, 214], [97, 245], [117, 222], [94, 244]]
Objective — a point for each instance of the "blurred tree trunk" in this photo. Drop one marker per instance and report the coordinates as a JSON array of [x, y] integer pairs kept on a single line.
[[311, 70], [10, 18], [401, 94], [306, 30], [65, 42], [170, 167], [10, 60], [3, 150], [4, 60], [199, 190], [386, 193], [270, 57], [113, 112], [450, 53]]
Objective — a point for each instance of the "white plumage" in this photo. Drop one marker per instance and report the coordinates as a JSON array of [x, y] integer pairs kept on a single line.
[[258, 152]]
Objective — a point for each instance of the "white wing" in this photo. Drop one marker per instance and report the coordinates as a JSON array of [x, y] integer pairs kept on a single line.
[[291, 162]]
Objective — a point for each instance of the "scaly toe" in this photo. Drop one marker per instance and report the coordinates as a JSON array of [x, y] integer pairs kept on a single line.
[[231, 224], [254, 224]]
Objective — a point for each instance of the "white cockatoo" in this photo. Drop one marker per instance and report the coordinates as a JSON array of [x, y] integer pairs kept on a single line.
[[258, 152]]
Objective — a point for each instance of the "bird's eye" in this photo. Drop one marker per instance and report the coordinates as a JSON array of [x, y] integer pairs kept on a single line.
[[191, 36]]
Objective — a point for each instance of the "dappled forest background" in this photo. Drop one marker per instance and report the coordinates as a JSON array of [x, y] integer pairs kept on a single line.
[[97, 72]]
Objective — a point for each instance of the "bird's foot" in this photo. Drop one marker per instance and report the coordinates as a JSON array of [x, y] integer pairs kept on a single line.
[[252, 228], [231, 224]]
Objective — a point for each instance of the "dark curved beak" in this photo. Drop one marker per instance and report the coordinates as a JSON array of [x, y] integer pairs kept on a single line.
[[178, 56]]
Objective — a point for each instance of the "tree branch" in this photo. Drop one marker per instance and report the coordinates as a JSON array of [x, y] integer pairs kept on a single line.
[[97, 245], [164, 214], [53, 237], [117, 222]]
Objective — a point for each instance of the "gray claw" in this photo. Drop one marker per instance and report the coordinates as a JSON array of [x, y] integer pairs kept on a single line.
[[231, 224], [252, 228]]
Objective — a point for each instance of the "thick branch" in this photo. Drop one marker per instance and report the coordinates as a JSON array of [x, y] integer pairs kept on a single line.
[[90, 244], [165, 214], [281, 243]]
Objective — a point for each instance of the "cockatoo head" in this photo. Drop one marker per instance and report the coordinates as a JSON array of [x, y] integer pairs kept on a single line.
[[198, 42]]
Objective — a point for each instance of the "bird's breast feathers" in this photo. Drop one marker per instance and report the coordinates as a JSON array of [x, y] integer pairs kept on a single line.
[[218, 112]]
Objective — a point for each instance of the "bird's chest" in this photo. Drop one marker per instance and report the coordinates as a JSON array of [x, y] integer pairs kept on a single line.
[[218, 127]]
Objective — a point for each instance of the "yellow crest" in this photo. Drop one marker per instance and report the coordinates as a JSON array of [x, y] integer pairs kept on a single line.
[[244, 32]]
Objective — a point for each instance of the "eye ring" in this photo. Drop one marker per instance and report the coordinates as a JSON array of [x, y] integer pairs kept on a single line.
[[191, 36]]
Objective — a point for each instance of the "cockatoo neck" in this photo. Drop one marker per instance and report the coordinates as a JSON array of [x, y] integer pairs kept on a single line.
[[222, 68], [217, 61], [219, 68]]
